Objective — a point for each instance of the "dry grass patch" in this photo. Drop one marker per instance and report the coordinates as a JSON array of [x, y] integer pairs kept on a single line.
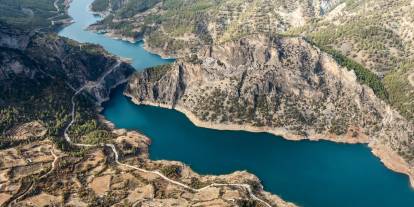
[[4, 197], [101, 185], [43, 199]]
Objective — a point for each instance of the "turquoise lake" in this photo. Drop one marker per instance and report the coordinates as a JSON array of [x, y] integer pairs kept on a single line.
[[79, 11], [314, 174]]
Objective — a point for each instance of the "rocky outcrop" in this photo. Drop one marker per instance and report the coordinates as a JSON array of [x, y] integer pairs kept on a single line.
[[14, 38], [39, 57], [284, 86], [328, 5]]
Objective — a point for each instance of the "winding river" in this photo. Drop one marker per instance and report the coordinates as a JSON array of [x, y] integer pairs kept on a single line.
[[314, 174]]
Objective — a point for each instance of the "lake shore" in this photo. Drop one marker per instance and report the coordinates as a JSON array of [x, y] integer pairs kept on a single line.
[[115, 36], [145, 46], [388, 157], [235, 176], [157, 51], [118, 36]]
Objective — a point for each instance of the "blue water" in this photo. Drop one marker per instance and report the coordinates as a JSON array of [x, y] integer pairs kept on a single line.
[[79, 11], [314, 174]]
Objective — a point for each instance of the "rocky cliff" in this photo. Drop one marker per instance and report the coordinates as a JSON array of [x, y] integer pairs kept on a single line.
[[284, 86], [14, 38], [30, 56], [39, 72]]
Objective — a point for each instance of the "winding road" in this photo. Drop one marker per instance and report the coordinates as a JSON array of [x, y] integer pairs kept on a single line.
[[58, 13], [14, 201], [54, 163], [113, 148]]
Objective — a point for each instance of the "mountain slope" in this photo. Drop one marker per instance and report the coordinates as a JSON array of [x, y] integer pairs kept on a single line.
[[377, 35], [279, 85], [178, 27], [31, 15], [35, 85]]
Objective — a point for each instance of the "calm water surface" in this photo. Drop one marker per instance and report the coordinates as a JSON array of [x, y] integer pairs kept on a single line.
[[314, 174], [79, 11]]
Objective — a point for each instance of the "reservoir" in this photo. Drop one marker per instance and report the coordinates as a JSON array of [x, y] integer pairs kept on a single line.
[[313, 174], [82, 17]]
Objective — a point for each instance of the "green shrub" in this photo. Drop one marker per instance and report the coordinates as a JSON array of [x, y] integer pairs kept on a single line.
[[172, 171], [364, 76]]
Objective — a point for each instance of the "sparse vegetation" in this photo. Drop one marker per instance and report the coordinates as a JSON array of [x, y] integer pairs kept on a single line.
[[364, 75], [176, 25], [40, 97], [400, 90], [377, 36], [172, 171], [156, 73], [100, 5], [28, 14]]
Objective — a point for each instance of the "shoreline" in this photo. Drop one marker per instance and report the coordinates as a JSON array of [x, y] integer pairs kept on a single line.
[[63, 22], [115, 36], [285, 134], [112, 35], [155, 51], [390, 159], [136, 133]]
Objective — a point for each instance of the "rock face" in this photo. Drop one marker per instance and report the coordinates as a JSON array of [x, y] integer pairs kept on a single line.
[[38, 57], [327, 5], [14, 38], [280, 85]]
